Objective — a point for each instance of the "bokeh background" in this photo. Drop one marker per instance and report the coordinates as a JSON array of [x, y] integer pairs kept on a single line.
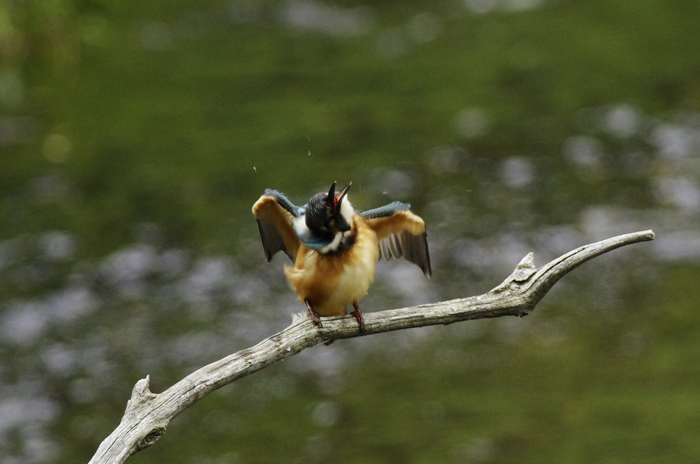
[[135, 137]]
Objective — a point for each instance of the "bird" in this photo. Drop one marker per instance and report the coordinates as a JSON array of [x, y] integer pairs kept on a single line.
[[335, 247]]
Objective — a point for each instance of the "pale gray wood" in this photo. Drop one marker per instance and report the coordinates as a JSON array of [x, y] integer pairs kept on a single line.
[[147, 414]]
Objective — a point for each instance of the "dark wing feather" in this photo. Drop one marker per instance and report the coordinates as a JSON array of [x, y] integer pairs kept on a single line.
[[275, 214], [400, 233]]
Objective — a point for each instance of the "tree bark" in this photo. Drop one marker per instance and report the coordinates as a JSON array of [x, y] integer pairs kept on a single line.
[[147, 414]]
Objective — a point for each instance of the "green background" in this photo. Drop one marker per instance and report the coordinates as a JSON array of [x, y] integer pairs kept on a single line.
[[135, 137]]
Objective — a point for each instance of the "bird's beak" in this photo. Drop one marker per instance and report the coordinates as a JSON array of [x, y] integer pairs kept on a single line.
[[335, 202], [341, 195], [330, 201]]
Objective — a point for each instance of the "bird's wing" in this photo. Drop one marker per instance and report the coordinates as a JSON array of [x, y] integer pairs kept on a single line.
[[275, 215], [400, 233]]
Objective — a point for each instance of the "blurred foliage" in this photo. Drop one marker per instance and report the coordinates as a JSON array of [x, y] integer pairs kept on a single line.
[[161, 123], [178, 117]]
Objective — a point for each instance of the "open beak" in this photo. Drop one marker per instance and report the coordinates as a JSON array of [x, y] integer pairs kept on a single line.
[[335, 201], [331, 193], [339, 197]]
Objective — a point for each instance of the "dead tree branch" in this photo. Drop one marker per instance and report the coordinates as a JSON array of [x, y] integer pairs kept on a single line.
[[147, 414]]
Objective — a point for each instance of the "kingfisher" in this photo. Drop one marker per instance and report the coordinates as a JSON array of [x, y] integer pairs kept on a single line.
[[335, 247]]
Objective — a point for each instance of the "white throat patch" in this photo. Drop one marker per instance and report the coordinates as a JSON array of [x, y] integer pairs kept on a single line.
[[300, 227], [346, 210], [333, 245]]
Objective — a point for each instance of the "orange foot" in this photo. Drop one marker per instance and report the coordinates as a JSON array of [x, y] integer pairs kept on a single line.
[[358, 315], [312, 314]]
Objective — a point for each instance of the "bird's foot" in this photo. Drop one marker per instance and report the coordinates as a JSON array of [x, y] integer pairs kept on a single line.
[[358, 315], [313, 315]]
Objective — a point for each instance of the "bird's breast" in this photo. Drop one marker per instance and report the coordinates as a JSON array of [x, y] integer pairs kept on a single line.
[[330, 282]]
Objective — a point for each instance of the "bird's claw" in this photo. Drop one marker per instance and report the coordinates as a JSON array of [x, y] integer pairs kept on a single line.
[[313, 315], [358, 315]]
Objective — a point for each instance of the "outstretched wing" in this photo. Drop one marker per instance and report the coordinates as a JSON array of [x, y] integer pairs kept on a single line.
[[275, 215], [400, 233]]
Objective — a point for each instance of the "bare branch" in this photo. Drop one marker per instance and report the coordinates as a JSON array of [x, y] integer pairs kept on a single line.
[[147, 414]]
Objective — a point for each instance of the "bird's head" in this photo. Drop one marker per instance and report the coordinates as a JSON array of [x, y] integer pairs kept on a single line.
[[327, 217]]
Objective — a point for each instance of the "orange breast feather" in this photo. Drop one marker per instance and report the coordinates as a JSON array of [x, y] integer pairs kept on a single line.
[[332, 282]]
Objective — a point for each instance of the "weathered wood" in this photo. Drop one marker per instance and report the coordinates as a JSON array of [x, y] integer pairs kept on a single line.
[[147, 414]]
